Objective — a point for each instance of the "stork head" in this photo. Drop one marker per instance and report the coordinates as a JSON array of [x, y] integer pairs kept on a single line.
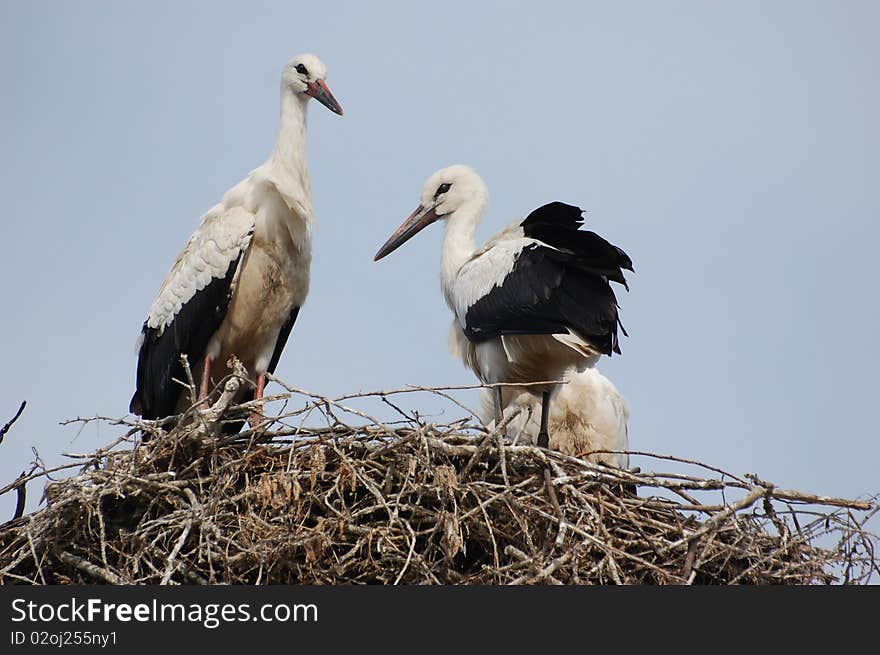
[[305, 75], [452, 191]]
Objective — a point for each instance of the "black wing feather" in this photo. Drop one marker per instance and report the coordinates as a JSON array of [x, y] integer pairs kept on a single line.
[[545, 294], [556, 224], [560, 286], [555, 213], [159, 364], [282, 339]]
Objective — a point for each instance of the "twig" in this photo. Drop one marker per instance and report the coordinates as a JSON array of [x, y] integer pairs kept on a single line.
[[169, 569], [9, 423], [92, 569], [716, 519]]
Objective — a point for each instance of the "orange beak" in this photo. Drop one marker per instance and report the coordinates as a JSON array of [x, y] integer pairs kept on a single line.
[[320, 92], [417, 221]]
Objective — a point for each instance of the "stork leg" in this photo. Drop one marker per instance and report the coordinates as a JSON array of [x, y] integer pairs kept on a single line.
[[543, 435], [206, 377], [499, 409], [256, 416]]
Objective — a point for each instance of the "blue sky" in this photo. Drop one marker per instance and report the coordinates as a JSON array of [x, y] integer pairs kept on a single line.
[[731, 148]]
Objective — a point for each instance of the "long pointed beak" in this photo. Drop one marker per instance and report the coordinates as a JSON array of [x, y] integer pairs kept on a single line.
[[417, 221], [321, 92]]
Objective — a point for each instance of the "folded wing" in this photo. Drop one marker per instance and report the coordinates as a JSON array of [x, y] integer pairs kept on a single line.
[[189, 307]]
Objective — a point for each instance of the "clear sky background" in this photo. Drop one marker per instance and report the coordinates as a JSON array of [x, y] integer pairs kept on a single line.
[[731, 148]]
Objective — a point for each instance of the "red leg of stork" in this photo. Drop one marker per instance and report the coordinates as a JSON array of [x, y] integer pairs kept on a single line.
[[257, 413], [206, 377]]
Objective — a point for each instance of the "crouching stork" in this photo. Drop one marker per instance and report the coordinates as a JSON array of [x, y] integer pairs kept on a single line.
[[588, 418]]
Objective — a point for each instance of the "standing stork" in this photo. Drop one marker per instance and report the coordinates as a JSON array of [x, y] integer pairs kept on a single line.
[[238, 285], [534, 302]]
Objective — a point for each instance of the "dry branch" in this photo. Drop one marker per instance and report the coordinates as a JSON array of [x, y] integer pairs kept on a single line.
[[353, 500], [10, 422]]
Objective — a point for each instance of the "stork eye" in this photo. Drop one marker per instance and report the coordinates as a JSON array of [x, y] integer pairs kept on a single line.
[[443, 188], [301, 69]]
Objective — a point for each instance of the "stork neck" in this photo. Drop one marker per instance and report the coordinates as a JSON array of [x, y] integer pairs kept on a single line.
[[458, 247], [288, 160]]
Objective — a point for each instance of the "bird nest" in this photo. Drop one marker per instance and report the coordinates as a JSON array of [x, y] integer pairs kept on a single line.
[[356, 500]]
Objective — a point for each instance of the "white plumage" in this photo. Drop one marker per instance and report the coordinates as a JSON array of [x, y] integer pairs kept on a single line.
[[238, 284], [587, 414]]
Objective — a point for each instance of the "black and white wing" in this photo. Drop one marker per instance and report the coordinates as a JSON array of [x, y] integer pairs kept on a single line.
[[189, 307], [547, 277]]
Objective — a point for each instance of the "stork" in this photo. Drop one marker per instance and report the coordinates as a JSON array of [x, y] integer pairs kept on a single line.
[[239, 283], [588, 414], [534, 302]]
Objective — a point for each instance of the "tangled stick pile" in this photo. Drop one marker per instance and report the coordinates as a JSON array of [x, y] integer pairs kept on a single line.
[[412, 503]]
